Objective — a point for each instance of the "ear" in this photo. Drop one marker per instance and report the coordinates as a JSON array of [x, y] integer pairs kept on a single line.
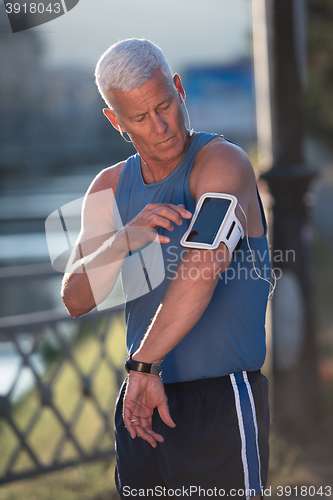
[[111, 116], [179, 86]]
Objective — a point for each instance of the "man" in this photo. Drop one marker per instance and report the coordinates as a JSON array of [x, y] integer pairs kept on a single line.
[[207, 332]]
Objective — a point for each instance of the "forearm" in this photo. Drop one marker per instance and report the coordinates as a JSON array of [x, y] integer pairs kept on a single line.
[[90, 279], [184, 303]]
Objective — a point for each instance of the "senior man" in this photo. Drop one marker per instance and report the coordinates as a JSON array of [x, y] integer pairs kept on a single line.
[[192, 417]]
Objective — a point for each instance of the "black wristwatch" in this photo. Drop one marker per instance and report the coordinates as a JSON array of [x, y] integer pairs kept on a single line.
[[138, 366]]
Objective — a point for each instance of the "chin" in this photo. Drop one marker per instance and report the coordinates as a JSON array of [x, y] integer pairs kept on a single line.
[[170, 154], [174, 147]]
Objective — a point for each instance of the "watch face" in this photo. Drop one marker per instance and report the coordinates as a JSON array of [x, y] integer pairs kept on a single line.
[[208, 220]]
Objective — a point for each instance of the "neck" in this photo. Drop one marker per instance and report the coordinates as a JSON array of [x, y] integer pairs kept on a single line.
[[155, 171]]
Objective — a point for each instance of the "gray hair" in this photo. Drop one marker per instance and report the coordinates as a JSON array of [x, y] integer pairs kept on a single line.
[[129, 64]]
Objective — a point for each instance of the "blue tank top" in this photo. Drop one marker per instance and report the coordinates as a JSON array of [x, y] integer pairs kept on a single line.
[[230, 335]]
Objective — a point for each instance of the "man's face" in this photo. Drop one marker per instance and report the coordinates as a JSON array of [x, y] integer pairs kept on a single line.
[[153, 117]]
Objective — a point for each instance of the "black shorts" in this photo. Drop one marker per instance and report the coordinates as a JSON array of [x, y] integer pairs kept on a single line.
[[218, 448]]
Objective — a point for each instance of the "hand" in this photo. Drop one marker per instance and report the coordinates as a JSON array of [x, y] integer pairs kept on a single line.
[[144, 392], [142, 229]]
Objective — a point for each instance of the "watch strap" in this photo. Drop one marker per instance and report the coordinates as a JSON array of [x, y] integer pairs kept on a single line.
[[139, 366]]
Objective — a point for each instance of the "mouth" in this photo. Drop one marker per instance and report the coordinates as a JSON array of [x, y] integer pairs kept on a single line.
[[166, 141]]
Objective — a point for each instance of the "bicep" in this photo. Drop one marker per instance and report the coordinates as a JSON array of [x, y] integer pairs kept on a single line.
[[227, 170]]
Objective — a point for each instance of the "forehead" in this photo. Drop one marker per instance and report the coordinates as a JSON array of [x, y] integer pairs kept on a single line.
[[151, 93]]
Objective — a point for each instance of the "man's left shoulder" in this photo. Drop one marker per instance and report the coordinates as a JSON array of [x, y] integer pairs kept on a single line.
[[221, 161], [222, 153]]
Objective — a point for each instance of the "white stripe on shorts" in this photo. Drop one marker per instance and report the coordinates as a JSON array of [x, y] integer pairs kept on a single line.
[[242, 432], [244, 455], [254, 416]]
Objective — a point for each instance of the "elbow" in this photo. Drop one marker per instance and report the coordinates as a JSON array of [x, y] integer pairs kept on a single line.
[[73, 309], [74, 313], [74, 306]]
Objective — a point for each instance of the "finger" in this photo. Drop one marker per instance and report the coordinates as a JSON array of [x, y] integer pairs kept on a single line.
[[158, 238], [130, 428], [155, 435], [162, 239], [186, 214], [174, 213], [143, 429], [127, 417], [163, 410], [179, 209], [163, 219], [146, 424], [147, 436], [140, 235], [152, 221]]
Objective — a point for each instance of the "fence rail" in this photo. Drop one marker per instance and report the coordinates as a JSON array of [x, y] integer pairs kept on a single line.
[[59, 378]]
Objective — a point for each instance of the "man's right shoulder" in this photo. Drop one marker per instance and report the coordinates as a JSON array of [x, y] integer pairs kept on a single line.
[[107, 179]]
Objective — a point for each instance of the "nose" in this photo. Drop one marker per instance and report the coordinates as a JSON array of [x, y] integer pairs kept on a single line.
[[159, 125]]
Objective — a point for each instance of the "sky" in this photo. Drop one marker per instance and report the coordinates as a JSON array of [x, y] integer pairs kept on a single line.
[[188, 31]]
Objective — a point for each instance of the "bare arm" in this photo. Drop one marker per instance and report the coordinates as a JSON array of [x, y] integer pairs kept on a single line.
[[96, 247]]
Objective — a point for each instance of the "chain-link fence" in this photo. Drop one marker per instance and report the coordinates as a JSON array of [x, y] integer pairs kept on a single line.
[[59, 379]]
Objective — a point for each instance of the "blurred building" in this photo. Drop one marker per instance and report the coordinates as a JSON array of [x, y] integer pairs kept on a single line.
[[20, 87], [221, 99]]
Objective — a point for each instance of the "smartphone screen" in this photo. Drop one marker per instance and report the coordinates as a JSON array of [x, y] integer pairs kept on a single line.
[[208, 221]]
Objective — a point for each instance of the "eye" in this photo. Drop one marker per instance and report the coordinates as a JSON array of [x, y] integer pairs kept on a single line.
[[164, 107]]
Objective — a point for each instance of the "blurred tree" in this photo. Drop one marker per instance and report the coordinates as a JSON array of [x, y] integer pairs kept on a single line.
[[319, 91]]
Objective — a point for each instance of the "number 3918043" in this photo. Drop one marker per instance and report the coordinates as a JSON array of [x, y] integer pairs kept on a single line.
[[304, 491], [32, 8]]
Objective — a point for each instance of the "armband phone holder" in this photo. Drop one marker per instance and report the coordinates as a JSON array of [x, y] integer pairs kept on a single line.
[[214, 221]]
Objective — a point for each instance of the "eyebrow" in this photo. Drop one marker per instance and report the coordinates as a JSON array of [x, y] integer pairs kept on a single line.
[[137, 116]]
